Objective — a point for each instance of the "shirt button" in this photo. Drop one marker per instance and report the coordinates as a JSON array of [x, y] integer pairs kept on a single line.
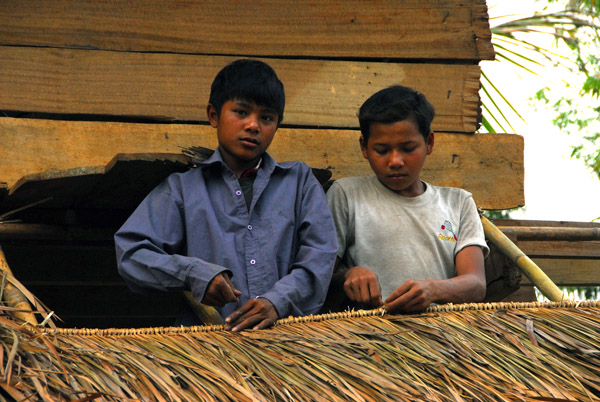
[[249, 227], [252, 262], [238, 192]]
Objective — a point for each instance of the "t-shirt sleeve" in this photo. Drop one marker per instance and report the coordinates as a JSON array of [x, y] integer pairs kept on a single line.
[[471, 229], [338, 204]]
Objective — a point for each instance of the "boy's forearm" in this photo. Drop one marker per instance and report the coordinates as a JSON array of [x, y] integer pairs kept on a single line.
[[468, 288], [469, 284]]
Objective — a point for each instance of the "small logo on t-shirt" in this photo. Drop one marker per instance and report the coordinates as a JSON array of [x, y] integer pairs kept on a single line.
[[447, 226]]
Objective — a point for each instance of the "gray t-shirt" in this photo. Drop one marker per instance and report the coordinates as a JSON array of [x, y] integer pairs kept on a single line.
[[401, 238]]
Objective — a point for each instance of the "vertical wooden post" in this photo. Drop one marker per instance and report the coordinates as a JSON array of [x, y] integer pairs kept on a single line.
[[529, 268]]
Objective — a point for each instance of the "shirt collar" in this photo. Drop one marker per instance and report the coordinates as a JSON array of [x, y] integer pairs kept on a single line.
[[267, 162], [251, 172]]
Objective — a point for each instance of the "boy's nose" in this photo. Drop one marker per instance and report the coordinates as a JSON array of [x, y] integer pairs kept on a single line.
[[396, 159], [252, 122]]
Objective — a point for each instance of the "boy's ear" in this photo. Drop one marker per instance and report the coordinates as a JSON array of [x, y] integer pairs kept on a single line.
[[363, 146], [213, 116], [430, 141]]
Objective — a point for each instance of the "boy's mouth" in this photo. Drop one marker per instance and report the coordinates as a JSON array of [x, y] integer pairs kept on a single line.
[[249, 141], [397, 177]]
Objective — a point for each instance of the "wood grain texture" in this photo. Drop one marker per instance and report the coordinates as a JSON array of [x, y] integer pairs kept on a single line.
[[177, 87], [416, 29], [565, 249], [554, 239], [121, 184], [570, 271], [532, 223], [490, 166]]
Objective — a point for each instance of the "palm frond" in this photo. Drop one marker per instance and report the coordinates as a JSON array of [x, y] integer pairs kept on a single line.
[[512, 45], [493, 100], [471, 352]]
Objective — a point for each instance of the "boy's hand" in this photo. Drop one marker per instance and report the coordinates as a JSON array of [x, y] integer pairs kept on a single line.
[[410, 296], [362, 285], [220, 291], [257, 313]]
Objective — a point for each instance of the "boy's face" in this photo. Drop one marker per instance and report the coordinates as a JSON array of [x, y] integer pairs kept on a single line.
[[396, 153], [244, 131]]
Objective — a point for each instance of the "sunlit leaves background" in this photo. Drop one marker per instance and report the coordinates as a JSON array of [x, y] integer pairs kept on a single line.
[[560, 35]]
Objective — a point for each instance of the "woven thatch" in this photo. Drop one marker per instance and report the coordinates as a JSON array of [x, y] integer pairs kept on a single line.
[[500, 352]]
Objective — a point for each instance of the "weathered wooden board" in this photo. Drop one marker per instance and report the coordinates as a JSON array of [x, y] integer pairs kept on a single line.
[[577, 249], [490, 166], [554, 239], [570, 271], [417, 29], [60, 189], [176, 87], [532, 223], [121, 184]]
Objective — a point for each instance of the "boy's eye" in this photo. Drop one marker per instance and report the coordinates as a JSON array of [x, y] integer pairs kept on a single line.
[[268, 117], [241, 112], [409, 149], [380, 151]]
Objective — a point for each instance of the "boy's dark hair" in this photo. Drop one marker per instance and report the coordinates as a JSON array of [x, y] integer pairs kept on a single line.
[[250, 80], [396, 103]]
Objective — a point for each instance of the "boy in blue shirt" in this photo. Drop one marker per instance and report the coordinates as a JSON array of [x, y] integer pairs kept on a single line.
[[242, 232], [404, 241]]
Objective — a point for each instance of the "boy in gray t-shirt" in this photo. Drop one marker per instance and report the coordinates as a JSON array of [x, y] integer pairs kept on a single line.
[[399, 237]]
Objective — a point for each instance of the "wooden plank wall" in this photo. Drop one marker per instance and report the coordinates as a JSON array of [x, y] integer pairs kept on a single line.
[[151, 61], [83, 81], [568, 252]]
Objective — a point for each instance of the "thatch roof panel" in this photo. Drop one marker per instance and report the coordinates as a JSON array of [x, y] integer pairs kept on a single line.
[[480, 352]]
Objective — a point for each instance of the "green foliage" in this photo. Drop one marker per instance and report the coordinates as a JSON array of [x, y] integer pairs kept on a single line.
[[499, 213], [576, 42]]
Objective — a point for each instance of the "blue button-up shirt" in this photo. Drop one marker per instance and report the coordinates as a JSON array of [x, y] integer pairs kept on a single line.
[[196, 225]]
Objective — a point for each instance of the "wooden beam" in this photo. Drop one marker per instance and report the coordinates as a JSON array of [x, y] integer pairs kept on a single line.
[[531, 223], [452, 29], [488, 165], [566, 249], [176, 87], [554, 239], [569, 271], [524, 224], [553, 233]]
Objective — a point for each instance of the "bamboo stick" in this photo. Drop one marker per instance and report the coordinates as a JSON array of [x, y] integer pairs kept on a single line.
[[208, 314], [525, 264], [13, 296]]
